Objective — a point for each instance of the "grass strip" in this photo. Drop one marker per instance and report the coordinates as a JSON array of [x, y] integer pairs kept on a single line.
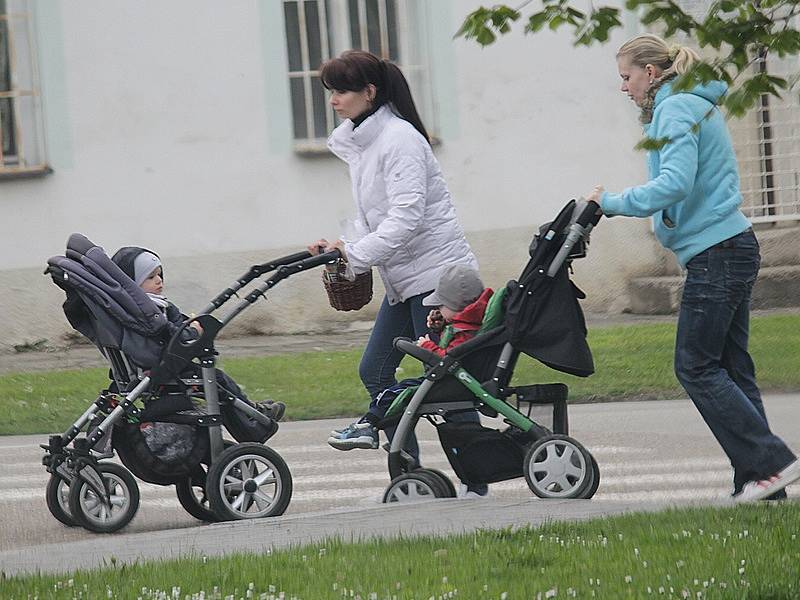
[[740, 552], [631, 362]]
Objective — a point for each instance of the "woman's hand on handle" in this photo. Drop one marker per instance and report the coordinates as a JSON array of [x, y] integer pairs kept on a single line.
[[595, 195], [318, 247], [323, 245]]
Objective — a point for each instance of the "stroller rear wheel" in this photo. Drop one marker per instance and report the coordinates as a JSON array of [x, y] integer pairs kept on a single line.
[[249, 481], [591, 489], [109, 511], [191, 494], [57, 497], [558, 466], [447, 487], [415, 486]]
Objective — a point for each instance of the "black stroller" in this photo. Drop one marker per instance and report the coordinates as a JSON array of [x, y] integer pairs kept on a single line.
[[538, 315], [155, 419]]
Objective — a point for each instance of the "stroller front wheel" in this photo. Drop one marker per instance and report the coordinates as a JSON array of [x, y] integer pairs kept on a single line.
[[558, 466], [109, 511], [57, 498], [249, 481]]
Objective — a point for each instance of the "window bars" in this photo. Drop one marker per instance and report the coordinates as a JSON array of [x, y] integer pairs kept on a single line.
[[767, 144], [316, 30], [21, 128]]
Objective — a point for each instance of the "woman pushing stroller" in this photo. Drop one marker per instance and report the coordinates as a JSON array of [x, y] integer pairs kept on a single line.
[[405, 223]]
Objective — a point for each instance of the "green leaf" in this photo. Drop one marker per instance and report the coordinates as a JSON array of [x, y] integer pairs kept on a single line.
[[652, 143]]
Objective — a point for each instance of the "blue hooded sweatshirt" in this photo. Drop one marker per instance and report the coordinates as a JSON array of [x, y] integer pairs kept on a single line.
[[693, 194]]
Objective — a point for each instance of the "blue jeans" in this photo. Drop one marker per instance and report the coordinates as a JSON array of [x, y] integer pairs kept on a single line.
[[380, 359], [713, 364]]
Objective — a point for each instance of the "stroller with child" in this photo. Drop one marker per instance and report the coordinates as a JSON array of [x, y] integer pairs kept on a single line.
[[164, 407], [538, 315]]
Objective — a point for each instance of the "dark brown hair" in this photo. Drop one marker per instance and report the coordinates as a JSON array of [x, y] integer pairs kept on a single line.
[[354, 70]]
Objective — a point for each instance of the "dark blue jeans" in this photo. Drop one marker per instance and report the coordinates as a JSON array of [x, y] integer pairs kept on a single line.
[[712, 361], [380, 360]]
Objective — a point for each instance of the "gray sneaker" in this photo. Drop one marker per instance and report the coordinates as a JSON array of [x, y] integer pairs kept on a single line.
[[357, 435]]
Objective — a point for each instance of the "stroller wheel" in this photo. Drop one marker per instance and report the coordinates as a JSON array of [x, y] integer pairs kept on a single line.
[[414, 486], [249, 481], [92, 510], [191, 494], [591, 489], [57, 497], [445, 484], [557, 466]]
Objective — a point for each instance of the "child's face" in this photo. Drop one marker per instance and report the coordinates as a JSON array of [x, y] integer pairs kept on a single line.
[[448, 313], [154, 284]]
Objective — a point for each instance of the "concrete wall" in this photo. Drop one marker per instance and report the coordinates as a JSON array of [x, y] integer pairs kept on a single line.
[[167, 127]]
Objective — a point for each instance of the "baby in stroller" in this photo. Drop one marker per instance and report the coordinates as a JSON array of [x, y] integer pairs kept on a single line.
[[460, 301], [144, 267], [164, 408]]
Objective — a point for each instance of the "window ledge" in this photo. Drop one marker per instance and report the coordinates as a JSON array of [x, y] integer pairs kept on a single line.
[[315, 149], [12, 173]]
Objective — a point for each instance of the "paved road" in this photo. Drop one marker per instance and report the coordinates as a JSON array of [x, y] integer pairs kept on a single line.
[[650, 454]]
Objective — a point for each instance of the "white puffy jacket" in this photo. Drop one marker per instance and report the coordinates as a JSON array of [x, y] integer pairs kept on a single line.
[[405, 224]]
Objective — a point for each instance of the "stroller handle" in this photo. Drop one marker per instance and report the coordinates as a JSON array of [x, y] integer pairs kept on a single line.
[[591, 214], [304, 259]]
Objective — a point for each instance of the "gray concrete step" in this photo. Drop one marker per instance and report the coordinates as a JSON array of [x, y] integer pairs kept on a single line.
[[777, 287]]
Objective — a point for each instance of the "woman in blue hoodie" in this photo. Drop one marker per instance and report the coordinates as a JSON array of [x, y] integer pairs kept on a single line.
[[693, 196]]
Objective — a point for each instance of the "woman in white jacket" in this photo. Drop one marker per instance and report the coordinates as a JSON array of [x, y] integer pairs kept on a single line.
[[405, 223]]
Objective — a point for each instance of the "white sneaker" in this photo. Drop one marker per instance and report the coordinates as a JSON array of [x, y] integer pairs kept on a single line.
[[758, 490]]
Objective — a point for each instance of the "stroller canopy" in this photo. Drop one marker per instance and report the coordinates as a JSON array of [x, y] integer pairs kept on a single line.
[[105, 305], [543, 317]]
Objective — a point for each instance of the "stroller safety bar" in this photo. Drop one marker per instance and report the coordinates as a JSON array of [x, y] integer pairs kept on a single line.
[[407, 346]]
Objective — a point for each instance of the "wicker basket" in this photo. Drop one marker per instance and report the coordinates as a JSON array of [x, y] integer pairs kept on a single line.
[[347, 295]]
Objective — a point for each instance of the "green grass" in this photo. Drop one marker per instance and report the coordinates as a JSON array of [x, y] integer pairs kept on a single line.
[[742, 552], [633, 361]]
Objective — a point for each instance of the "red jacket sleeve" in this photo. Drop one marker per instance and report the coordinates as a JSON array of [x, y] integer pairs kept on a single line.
[[458, 339], [432, 347]]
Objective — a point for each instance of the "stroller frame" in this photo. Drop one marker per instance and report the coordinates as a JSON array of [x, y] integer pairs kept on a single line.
[[554, 464], [76, 463]]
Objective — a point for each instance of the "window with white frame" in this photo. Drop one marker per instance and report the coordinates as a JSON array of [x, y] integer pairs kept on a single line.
[[316, 30], [22, 149]]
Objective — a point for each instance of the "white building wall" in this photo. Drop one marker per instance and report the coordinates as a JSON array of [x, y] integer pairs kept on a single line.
[[166, 126]]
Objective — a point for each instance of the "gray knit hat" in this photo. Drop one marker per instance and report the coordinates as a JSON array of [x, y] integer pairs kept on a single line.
[[459, 286], [144, 264]]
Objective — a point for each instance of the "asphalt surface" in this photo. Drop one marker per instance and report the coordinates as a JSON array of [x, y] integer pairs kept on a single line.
[[651, 455]]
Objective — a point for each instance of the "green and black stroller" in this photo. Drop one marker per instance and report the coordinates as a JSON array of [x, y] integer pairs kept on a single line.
[[538, 315]]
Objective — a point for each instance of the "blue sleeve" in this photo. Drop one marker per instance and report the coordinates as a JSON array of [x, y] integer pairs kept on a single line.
[[677, 169]]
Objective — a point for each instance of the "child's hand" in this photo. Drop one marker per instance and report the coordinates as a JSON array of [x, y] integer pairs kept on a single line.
[[435, 320], [197, 326], [422, 340]]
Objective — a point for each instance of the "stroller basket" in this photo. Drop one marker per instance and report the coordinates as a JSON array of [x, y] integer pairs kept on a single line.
[[479, 454]]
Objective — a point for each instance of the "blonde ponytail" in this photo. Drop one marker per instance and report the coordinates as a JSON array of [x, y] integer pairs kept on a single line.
[[649, 49]]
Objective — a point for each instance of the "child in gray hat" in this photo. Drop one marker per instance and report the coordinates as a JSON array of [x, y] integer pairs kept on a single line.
[[461, 301]]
